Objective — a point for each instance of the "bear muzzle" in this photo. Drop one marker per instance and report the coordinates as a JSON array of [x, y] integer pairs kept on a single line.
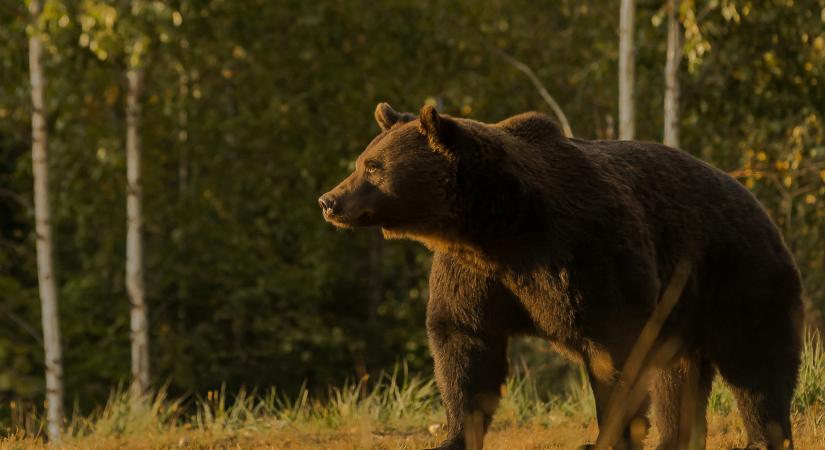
[[334, 213], [326, 203]]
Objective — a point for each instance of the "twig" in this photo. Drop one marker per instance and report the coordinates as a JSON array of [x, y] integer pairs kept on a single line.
[[25, 326], [638, 360], [524, 68], [19, 199]]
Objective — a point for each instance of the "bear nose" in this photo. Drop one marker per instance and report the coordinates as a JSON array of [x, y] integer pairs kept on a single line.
[[326, 202]]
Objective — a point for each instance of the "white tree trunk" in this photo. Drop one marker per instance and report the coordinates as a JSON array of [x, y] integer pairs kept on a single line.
[[134, 241], [43, 229], [674, 55], [627, 71]]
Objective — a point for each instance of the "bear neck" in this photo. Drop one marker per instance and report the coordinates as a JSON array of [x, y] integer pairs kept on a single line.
[[509, 198], [533, 201]]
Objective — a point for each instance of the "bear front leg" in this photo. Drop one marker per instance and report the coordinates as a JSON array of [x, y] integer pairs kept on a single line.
[[469, 319], [623, 423], [469, 370], [634, 423]]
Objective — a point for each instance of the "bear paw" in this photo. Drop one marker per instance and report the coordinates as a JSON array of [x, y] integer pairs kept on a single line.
[[455, 443]]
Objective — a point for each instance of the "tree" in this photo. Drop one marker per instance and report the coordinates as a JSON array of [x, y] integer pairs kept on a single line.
[[627, 71], [674, 55], [139, 332], [43, 230]]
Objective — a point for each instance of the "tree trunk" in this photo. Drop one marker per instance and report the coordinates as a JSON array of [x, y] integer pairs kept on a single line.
[[43, 229], [674, 55], [627, 71], [134, 241]]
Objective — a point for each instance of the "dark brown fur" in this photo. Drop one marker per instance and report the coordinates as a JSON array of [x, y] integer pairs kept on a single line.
[[575, 241]]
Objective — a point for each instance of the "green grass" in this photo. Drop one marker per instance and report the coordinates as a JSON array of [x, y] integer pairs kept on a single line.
[[397, 403]]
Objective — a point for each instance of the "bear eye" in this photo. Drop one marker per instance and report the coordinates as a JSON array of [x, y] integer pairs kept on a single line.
[[372, 166]]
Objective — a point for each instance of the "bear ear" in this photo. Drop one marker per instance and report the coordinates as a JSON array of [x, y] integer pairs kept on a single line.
[[387, 117], [436, 128]]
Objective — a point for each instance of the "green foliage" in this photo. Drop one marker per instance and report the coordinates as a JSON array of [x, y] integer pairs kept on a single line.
[[761, 82]]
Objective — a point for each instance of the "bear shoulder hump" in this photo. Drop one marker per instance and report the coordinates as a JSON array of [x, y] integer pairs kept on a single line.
[[531, 126]]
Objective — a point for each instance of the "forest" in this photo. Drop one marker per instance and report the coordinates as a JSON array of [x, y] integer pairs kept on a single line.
[[189, 140]]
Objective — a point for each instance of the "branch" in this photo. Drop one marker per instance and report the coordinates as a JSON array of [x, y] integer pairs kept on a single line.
[[25, 326], [704, 12], [19, 199], [524, 68]]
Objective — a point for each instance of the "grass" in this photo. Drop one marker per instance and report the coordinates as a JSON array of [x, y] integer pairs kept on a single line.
[[398, 410]]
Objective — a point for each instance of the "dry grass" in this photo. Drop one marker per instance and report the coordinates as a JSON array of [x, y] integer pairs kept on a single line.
[[725, 432], [397, 411]]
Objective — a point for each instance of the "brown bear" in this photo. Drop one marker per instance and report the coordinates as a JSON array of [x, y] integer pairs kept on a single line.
[[577, 242]]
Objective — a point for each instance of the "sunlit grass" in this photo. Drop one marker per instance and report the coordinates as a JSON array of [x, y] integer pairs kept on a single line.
[[399, 408]]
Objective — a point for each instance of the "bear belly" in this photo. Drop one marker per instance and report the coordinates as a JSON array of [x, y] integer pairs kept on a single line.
[[550, 302]]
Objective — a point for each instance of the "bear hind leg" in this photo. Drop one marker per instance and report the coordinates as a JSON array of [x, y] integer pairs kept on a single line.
[[766, 416], [762, 375], [763, 389]]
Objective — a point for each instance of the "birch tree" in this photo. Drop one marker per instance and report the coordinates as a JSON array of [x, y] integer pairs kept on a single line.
[[43, 231], [674, 55], [627, 71], [139, 330], [120, 30]]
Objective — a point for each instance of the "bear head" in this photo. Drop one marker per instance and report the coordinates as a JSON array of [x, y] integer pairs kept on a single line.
[[400, 181], [433, 178]]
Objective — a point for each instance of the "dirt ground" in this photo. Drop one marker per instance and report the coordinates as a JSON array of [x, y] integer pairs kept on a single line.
[[724, 432]]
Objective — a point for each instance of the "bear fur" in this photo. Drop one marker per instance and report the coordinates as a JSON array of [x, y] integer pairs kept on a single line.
[[576, 241]]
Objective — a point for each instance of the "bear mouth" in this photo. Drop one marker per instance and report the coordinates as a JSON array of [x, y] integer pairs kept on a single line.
[[345, 221], [335, 219]]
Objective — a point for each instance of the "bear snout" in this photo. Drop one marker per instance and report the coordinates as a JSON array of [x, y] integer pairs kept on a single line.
[[326, 202], [335, 212], [345, 212], [330, 209]]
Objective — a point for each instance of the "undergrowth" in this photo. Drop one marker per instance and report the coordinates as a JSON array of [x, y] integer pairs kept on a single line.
[[395, 401]]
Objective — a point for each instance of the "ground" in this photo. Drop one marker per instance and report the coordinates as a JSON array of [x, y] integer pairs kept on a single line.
[[725, 432], [396, 410]]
